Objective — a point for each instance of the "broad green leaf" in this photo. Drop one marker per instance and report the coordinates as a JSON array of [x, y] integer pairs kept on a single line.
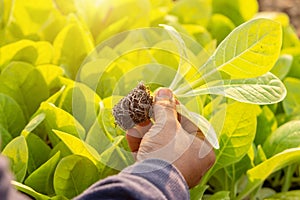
[[291, 104], [17, 152], [159, 9], [250, 50], [62, 148], [188, 11], [266, 124], [238, 11], [72, 37], [197, 192], [35, 20], [258, 174], [266, 89], [73, 175], [295, 70], [28, 190], [236, 137], [38, 151], [82, 102], [41, 179], [224, 195], [51, 74], [107, 18], [58, 119], [26, 51], [285, 137], [5, 137], [282, 66], [220, 26], [33, 123], [115, 157], [11, 116], [294, 194], [79, 147], [26, 87]]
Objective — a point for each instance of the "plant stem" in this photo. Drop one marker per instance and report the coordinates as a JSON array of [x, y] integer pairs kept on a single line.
[[288, 178]]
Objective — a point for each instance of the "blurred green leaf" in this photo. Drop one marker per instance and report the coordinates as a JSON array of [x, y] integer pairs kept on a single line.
[[282, 66], [285, 137], [41, 179], [25, 85], [220, 26], [38, 151], [291, 104], [5, 137], [258, 174], [56, 118], [73, 36], [79, 147], [238, 11], [11, 116], [73, 175], [290, 195], [266, 124], [17, 152], [28, 190], [187, 11]]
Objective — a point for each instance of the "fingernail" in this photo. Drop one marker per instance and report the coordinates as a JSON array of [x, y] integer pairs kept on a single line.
[[164, 94]]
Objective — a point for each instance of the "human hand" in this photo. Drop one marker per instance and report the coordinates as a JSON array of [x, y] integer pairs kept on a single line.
[[172, 138]]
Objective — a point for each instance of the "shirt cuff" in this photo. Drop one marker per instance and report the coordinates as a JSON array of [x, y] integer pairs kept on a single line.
[[162, 175]]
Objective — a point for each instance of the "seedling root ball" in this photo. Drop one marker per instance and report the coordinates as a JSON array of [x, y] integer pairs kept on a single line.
[[135, 108]]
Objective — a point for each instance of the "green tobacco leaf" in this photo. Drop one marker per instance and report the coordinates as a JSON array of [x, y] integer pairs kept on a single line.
[[291, 104], [73, 175], [58, 119], [188, 11], [11, 116], [115, 157], [236, 137], [72, 37], [17, 152], [26, 51], [285, 195], [41, 179], [51, 74], [282, 66], [5, 137], [28, 190], [33, 123], [250, 50], [285, 137], [266, 89], [220, 26], [38, 151], [258, 174], [80, 147], [238, 11], [82, 102], [25, 85], [266, 124], [224, 195]]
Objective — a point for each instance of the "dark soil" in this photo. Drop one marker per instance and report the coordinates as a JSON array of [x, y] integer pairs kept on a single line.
[[290, 7], [135, 108]]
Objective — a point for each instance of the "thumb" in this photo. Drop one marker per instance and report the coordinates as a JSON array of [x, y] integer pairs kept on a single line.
[[164, 108]]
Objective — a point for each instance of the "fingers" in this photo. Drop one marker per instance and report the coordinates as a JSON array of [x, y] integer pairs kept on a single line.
[[164, 108], [135, 135]]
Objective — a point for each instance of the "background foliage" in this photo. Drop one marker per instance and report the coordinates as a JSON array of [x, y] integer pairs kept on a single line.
[[56, 154]]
